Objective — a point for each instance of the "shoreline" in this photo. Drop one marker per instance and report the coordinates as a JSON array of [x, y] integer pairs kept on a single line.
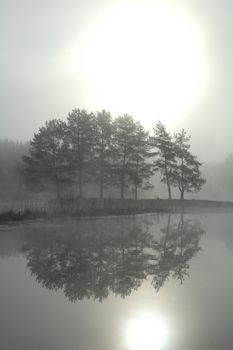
[[114, 206]]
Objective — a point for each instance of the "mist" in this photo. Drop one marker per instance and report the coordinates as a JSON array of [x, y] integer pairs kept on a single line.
[[218, 175], [116, 174], [37, 86]]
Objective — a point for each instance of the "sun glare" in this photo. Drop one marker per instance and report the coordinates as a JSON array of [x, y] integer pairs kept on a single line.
[[146, 59], [147, 332]]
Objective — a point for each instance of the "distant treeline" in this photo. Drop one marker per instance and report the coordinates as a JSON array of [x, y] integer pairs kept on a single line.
[[94, 148], [220, 179], [11, 181]]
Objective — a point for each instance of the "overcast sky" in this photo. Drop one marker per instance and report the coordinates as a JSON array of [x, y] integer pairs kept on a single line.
[[36, 83]]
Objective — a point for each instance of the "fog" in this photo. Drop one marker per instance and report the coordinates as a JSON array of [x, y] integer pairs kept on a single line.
[[218, 175], [116, 174], [36, 84]]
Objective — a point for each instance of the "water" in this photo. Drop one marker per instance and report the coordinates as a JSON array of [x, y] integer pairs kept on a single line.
[[144, 282]]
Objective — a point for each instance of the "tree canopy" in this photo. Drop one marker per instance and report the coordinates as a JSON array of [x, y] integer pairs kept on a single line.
[[187, 176], [94, 148]]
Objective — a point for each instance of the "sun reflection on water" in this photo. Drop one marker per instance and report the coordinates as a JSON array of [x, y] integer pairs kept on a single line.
[[148, 332]]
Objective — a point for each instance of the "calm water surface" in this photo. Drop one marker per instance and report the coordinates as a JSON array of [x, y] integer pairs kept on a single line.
[[146, 282]]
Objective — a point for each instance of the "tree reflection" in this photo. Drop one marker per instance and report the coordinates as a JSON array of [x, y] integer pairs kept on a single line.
[[176, 246], [112, 256]]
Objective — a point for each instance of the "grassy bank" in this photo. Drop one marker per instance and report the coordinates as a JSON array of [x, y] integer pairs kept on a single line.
[[109, 206], [112, 206], [11, 216]]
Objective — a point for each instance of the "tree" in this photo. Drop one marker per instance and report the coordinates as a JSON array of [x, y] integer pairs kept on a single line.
[[187, 176], [47, 161], [165, 157], [177, 244], [103, 149], [142, 169], [124, 147], [81, 138], [90, 260], [97, 257]]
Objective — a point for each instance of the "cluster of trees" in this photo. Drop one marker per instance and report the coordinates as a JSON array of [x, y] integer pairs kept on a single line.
[[95, 259], [94, 148], [177, 165]]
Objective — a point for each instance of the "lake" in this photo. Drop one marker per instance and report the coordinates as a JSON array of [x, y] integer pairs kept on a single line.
[[132, 282]]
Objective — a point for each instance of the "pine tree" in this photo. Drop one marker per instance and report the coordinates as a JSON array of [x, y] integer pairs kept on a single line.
[[123, 150], [103, 149], [81, 138], [47, 161], [142, 168], [165, 157], [187, 176]]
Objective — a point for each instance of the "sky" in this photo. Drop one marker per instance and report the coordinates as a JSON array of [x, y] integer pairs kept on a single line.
[[157, 60]]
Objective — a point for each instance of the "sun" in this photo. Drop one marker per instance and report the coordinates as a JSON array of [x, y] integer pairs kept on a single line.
[[147, 332], [147, 59]]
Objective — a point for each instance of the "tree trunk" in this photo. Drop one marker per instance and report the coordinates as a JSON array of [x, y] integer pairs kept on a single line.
[[168, 182], [181, 229], [122, 185], [58, 192], [123, 178], [101, 176], [101, 189], [80, 184], [101, 181], [167, 232], [181, 195], [169, 190], [136, 192], [136, 187], [182, 181]]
